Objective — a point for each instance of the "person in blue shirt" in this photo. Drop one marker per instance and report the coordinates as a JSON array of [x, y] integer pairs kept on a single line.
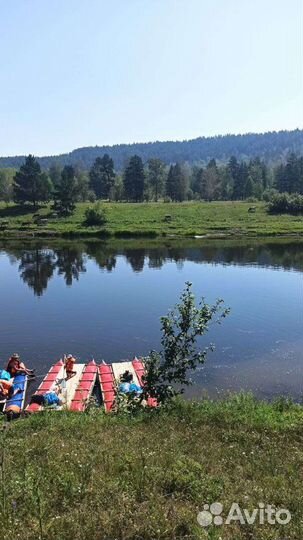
[[49, 399], [128, 386]]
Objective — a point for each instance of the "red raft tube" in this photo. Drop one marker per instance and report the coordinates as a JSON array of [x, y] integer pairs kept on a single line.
[[76, 394], [85, 387], [108, 385], [109, 380], [48, 384], [139, 369]]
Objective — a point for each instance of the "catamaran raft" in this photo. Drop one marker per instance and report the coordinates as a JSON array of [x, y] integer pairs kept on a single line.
[[71, 386]]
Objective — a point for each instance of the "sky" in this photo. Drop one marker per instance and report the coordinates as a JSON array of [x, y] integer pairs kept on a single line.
[[77, 73]]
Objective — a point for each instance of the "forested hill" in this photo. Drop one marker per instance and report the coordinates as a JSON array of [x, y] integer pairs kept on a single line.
[[272, 147]]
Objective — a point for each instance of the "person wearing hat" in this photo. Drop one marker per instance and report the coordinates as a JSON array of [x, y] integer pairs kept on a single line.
[[69, 363], [15, 366]]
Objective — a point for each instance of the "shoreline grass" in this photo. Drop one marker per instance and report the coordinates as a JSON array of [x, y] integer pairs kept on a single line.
[[150, 220], [81, 476]]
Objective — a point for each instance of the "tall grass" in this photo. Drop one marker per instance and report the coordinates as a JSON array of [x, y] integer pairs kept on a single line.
[[96, 476]]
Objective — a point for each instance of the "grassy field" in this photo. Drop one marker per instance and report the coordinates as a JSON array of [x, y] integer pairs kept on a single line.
[[216, 219], [90, 476]]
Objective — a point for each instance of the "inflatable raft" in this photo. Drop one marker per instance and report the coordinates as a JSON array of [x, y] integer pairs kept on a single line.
[[15, 405], [74, 392]]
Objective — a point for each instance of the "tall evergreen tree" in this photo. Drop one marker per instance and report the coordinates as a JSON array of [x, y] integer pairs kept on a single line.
[[156, 177], [176, 183], [134, 179], [279, 178], [292, 174], [249, 188], [30, 184], [102, 177], [170, 184], [240, 182], [195, 181], [66, 194], [233, 168]]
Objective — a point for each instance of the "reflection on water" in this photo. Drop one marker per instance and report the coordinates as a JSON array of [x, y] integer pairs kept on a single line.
[[38, 265], [97, 300]]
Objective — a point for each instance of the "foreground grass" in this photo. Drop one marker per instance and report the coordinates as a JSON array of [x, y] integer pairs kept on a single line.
[[150, 220], [72, 476]]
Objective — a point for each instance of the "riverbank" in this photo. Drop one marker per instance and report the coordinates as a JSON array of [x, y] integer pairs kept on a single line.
[[72, 476], [152, 220]]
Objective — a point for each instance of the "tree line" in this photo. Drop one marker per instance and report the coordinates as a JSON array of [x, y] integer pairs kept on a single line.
[[270, 147], [150, 181]]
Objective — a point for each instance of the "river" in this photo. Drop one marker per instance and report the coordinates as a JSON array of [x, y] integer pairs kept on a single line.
[[101, 300]]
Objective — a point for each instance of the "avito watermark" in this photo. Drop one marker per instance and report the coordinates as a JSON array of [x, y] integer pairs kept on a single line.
[[212, 514]]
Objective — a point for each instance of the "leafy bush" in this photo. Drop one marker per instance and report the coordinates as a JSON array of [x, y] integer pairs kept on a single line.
[[283, 203], [167, 371], [95, 216]]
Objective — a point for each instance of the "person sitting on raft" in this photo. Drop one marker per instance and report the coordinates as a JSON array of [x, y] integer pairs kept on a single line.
[[49, 399], [127, 385], [7, 389], [15, 366], [69, 363]]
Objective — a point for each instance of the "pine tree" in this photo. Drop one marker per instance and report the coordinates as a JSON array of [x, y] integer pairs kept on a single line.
[[292, 174], [249, 188], [30, 184], [180, 182], [240, 182], [170, 184], [66, 194], [102, 177], [233, 168], [156, 177], [279, 178], [176, 184], [195, 181], [134, 179]]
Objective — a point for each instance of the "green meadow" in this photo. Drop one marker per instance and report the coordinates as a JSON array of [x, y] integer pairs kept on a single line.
[[214, 219], [68, 476]]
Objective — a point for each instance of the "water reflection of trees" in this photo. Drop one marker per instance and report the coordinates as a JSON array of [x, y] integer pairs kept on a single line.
[[104, 256], [38, 265], [70, 264], [36, 269]]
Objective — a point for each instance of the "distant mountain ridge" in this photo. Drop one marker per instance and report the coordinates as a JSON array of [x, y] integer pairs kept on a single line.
[[271, 146]]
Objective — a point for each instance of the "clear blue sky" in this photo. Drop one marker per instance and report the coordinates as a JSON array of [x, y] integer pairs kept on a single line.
[[78, 73]]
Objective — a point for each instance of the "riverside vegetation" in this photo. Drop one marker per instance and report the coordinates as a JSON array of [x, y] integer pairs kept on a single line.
[[63, 201], [146, 476]]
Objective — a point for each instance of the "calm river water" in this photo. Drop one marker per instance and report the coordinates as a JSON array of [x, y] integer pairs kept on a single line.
[[98, 301]]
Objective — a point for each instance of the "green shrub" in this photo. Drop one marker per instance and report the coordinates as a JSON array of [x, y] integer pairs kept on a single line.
[[283, 203], [95, 216]]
